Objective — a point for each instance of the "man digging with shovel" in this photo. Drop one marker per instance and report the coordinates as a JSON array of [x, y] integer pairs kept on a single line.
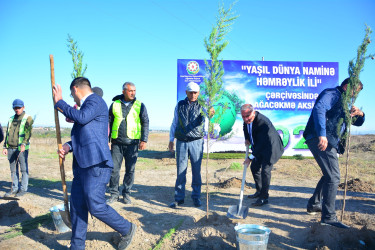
[[92, 163], [267, 148]]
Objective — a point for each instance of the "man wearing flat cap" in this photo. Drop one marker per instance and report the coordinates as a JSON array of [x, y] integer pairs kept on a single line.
[[188, 129], [16, 147]]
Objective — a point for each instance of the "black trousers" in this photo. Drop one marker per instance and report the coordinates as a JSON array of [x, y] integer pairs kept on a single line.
[[262, 176], [130, 154]]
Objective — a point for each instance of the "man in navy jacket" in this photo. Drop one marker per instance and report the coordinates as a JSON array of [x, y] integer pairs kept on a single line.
[[92, 163], [322, 138]]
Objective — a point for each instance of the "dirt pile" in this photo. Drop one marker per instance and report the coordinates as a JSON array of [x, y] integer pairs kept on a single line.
[[11, 209], [322, 237], [356, 185], [232, 182], [216, 232], [364, 146]]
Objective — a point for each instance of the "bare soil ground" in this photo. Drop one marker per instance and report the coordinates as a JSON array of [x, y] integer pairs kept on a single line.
[[293, 182]]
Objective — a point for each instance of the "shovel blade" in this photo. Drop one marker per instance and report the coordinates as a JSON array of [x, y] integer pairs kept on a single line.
[[235, 213], [66, 218]]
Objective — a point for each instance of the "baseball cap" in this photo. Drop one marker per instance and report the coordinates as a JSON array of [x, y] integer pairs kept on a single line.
[[18, 103], [192, 87]]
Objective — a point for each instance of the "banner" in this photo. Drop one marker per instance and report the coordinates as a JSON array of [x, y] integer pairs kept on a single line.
[[285, 92]]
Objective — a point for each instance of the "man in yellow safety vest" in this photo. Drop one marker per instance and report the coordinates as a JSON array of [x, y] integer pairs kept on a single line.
[[129, 127], [16, 147]]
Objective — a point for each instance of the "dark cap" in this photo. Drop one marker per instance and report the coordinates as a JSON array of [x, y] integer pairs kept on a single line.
[[98, 91], [18, 103]]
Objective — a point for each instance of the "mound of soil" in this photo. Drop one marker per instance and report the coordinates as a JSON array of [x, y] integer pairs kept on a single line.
[[356, 185], [323, 237], [216, 232], [11, 209], [364, 146], [232, 182]]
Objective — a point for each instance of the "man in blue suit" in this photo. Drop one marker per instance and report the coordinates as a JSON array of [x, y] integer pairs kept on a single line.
[[92, 163]]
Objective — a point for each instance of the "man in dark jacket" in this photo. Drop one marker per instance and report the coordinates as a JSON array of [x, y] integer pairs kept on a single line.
[[267, 148], [322, 138], [188, 128], [1, 133], [16, 147], [129, 127]]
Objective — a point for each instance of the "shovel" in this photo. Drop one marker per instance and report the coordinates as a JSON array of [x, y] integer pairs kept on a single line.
[[239, 211], [65, 215]]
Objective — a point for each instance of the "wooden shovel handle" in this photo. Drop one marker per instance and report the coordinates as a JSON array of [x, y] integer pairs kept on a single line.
[[58, 137]]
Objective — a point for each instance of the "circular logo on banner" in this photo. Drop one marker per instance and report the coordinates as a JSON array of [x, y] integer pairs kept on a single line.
[[192, 67]]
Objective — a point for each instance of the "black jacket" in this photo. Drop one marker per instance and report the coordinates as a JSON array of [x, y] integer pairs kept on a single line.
[[122, 134], [190, 124], [1, 133], [268, 145]]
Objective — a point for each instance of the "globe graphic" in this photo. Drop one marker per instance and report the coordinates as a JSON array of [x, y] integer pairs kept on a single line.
[[229, 116]]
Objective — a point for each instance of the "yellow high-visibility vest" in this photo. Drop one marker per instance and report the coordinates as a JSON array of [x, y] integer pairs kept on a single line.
[[21, 132], [133, 121]]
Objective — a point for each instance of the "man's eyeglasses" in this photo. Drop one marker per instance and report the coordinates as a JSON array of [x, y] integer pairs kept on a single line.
[[15, 108]]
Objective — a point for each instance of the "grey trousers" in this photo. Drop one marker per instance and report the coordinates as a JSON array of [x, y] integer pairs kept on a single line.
[[194, 149], [326, 188], [18, 160]]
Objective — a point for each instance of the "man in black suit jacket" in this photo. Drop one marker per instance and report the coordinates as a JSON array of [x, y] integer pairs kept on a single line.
[[267, 148]]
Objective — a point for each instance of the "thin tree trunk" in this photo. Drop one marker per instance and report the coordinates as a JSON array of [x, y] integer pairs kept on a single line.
[[208, 156], [346, 173]]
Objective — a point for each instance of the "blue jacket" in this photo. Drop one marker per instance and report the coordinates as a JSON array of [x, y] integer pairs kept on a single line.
[[90, 131], [325, 116]]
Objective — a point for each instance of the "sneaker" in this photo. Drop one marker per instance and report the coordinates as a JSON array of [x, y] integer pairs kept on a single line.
[[20, 193], [175, 204], [197, 202], [127, 239], [111, 199], [11, 193], [334, 223], [314, 209]]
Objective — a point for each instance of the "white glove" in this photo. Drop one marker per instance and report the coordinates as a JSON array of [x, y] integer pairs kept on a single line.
[[251, 157]]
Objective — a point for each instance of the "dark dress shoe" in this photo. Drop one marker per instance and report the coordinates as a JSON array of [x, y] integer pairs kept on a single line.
[[197, 202], [253, 196], [314, 209], [260, 202], [127, 239], [175, 204], [334, 223]]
